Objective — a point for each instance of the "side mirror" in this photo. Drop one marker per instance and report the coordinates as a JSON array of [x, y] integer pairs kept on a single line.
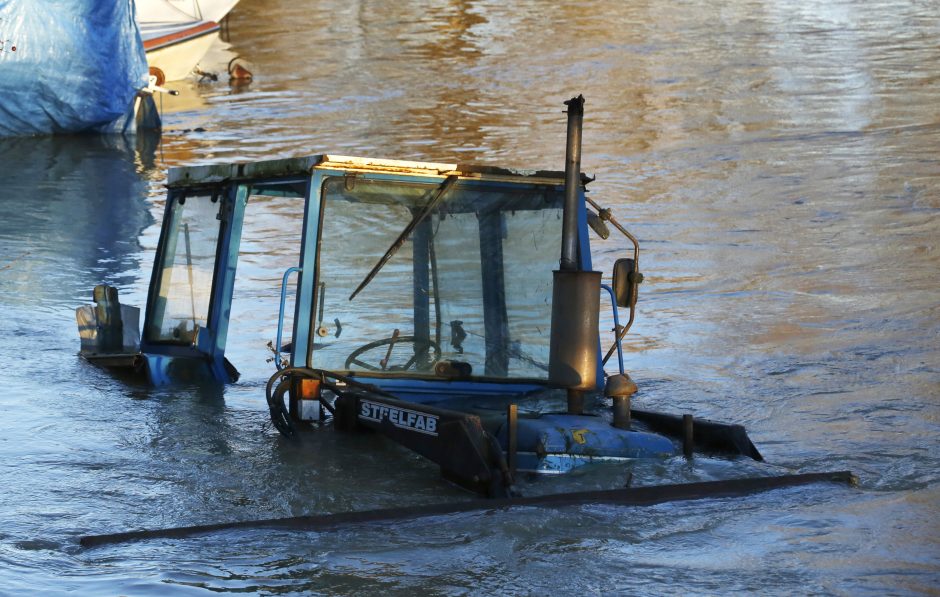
[[626, 282], [597, 225]]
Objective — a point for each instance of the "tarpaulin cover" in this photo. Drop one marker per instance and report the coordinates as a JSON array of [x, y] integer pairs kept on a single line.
[[69, 66]]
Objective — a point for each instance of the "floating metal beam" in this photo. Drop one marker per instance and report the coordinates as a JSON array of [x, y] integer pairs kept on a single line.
[[635, 496]]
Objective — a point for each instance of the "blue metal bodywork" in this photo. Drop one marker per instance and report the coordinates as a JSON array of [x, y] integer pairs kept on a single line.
[[557, 443]]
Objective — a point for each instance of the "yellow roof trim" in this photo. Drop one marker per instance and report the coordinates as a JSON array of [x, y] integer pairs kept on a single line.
[[374, 165], [345, 162]]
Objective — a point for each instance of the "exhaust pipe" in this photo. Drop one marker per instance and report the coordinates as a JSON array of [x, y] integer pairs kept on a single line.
[[569, 229], [573, 354]]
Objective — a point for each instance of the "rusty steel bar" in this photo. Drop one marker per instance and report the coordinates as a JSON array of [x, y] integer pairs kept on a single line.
[[512, 436], [621, 408], [688, 437]]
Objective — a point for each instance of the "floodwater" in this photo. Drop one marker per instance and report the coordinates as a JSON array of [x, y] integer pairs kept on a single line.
[[779, 163]]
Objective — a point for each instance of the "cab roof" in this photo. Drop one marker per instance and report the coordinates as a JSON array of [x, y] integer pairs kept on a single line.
[[302, 166]]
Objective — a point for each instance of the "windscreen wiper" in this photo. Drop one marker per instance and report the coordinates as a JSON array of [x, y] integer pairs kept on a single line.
[[442, 190]]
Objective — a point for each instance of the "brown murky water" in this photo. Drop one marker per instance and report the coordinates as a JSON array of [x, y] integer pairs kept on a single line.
[[779, 163]]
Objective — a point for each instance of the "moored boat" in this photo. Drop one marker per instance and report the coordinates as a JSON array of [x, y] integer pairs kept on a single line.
[[177, 34], [76, 69]]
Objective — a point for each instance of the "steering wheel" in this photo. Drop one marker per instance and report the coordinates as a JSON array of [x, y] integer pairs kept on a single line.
[[353, 358]]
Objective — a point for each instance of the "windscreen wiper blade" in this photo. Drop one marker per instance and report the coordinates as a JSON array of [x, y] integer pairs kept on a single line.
[[442, 190]]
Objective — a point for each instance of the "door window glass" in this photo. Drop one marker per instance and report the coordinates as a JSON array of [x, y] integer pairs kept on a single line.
[[185, 280]]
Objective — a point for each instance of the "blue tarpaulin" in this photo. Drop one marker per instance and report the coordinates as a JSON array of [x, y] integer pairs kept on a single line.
[[69, 66]]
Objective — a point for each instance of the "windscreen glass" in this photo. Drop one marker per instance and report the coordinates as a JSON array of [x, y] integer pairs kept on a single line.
[[470, 284]]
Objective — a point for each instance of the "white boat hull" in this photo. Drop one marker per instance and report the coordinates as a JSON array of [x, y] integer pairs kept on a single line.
[[180, 49], [179, 11], [210, 10]]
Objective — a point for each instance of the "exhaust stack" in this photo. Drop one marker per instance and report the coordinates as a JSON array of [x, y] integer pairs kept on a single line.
[[569, 230], [573, 355]]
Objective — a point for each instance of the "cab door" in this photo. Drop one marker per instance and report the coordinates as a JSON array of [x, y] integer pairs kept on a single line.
[[190, 294]]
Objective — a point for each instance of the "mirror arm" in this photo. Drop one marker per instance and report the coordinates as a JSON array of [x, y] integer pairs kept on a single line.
[[606, 215]]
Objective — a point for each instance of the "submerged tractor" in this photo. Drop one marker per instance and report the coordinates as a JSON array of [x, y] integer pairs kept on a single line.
[[430, 305]]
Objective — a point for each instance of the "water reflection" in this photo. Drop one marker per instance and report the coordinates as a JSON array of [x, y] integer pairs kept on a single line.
[[72, 213]]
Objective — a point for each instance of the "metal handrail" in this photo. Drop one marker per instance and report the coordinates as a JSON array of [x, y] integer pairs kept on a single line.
[[280, 315], [617, 336]]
